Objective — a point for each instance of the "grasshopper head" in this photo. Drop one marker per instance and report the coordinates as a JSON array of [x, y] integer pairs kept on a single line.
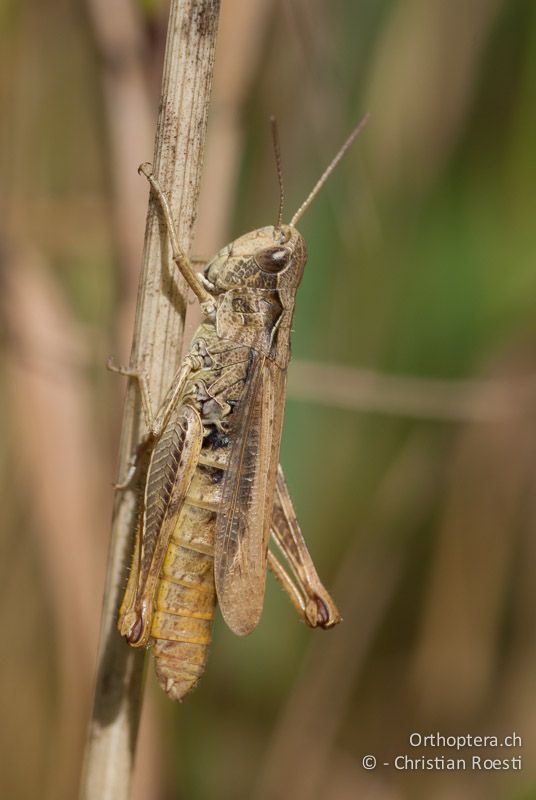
[[268, 258]]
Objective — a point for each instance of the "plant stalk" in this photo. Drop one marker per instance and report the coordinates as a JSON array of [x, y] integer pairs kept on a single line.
[[156, 348]]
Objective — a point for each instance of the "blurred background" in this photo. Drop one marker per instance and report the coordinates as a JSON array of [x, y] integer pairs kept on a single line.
[[410, 431]]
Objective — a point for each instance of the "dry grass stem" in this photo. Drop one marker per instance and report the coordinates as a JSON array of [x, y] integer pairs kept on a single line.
[[51, 413], [485, 400], [414, 132], [475, 565], [120, 40], [129, 114], [187, 80]]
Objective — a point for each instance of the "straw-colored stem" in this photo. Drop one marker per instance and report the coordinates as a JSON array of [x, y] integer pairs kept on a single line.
[[156, 347]]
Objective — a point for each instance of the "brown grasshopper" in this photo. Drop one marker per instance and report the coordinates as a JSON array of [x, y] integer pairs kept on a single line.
[[214, 493]]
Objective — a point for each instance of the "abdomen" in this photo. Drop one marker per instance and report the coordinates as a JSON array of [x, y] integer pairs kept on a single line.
[[186, 597]]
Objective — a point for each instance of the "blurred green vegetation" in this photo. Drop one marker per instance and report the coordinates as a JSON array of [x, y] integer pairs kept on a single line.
[[421, 263]]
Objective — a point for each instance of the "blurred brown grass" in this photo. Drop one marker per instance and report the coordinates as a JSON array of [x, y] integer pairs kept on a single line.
[[421, 267]]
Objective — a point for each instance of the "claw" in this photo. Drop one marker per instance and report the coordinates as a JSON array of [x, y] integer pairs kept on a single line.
[[146, 169]]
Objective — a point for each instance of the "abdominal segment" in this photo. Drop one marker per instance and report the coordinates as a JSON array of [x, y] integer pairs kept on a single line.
[[186, 595]]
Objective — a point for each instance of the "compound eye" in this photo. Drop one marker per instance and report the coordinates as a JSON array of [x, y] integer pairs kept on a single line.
[[274, 259]]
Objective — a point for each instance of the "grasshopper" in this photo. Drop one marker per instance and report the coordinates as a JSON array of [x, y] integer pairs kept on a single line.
[[214, 492]]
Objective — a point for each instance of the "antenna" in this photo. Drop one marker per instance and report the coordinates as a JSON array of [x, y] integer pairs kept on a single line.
[[277, 153], [327, 172]]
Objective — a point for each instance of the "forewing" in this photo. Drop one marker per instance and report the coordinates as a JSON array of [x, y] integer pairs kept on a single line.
[[171, 468], [243, 525]]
